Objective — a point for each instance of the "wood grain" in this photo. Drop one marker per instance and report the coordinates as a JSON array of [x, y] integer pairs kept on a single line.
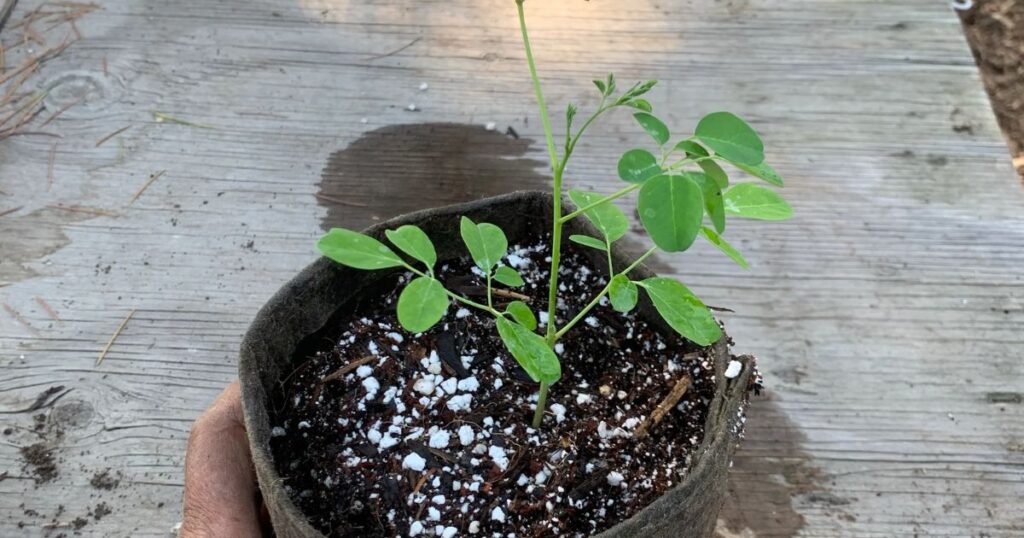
[[883, 314]]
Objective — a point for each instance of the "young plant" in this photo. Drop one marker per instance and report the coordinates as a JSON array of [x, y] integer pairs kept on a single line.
[[684, 193]]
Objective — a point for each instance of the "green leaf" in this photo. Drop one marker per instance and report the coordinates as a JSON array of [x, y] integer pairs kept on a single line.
[[622, 293], [731, 138], [653, 126], [607, 217], [762, 171], [414, 242], [508, 276], [641, 104], [637, 90], [601, 87], [715, 172], [522, 314], [486, 242], [610, 83], [682, 310], [357, 250], [530, 350], [724, 246], [691, 148], [753, 201], [638, 165], [570, 113], [422, 304], [588, 241], [671, 209], [714, 205]]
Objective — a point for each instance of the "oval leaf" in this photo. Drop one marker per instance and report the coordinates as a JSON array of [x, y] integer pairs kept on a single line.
[[691, 149], [414, 242], [654, 127], [422, 304], [753, 201], [724, 246], [638, 165], [731, 138], [671, 209], [607, 217], [641, 104], [522, 314], [357, 250], [762, 171], [588, 241], [622, 293], [508, 276], [714, 204], [530, 350], [682, 310], [486, 242], [715, 172]]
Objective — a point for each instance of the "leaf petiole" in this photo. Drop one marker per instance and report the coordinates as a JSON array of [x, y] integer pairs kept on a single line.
[[597, 299], [615, 195]]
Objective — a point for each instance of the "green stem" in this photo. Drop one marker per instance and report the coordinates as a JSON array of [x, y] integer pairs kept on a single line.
[[557, 168], [456, 296], [490, 303], [617, 194], [542, 400], [597, 299]]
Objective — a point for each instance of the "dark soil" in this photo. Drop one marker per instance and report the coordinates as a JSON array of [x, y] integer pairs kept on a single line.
[[429, 435], [40, 461], [995, 31]]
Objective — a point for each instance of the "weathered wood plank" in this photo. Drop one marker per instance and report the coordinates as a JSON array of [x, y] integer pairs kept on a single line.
[[885, 314]]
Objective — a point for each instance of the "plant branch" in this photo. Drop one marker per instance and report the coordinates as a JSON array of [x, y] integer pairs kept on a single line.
[[456, 296], [597, 299], [615, 195]]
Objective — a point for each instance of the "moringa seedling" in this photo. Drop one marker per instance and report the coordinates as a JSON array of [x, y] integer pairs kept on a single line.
[[684, 193]]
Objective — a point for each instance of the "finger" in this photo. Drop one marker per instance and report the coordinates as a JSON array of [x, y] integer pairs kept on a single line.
[[220, 484]]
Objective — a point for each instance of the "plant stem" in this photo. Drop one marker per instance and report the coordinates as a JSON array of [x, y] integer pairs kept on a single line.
[[557, 168], [456, 296], [617, 194], [542, 400], [490, 303], [597, 299]]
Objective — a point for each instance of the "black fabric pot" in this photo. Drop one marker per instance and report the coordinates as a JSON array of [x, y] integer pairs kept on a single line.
[[325, 289]]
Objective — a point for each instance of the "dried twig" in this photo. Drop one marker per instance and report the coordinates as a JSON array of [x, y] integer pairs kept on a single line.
[[112, 135], [396, 51], [334, 200], [80, 209], [664, 407], [46, 306], [9, 211], [423, 479], [152, 177], [511, 295], [62, 110], [106, 348], [20, 319], [348, 368]]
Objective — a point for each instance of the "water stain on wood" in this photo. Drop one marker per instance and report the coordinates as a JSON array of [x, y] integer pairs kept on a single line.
[[769, 470], [27, 238], [401, 168]]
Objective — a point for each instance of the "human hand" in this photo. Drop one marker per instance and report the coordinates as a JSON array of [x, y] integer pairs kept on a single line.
[[221, 496]]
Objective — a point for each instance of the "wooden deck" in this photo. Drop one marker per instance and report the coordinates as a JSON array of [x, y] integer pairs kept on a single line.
[[888, 315]]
